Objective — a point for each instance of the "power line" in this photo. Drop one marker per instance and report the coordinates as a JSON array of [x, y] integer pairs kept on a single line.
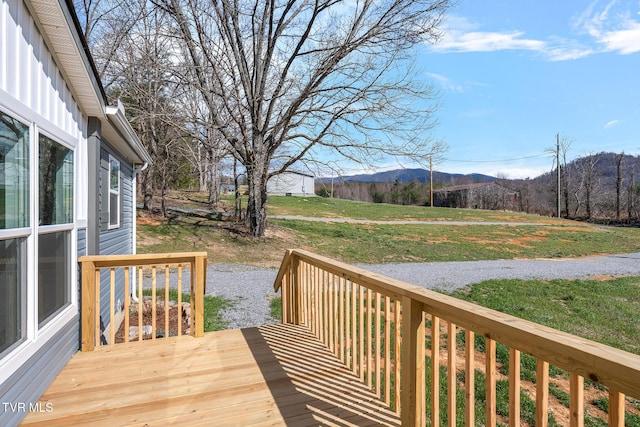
[[497, 161]]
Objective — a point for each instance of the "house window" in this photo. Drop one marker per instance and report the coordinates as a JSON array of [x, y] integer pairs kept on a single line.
[[14, 223], [56, 183], [14, 175], [53, 274], [114, 193], [56, 223], [12, 293]]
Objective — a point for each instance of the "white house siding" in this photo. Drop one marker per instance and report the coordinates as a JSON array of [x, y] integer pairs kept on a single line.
[[30, 75], [33, 90], [291, 183]]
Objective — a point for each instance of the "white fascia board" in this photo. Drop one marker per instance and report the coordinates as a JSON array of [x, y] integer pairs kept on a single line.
[[117, 120]]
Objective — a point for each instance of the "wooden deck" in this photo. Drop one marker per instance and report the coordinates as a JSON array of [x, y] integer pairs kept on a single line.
[[272, 375]]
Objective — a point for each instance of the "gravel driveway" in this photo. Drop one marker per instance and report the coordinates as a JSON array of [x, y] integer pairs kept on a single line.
[[251, 288]]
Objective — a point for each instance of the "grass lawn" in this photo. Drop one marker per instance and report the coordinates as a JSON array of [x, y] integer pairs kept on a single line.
[[226, 241], [337, 208], [599, 310]]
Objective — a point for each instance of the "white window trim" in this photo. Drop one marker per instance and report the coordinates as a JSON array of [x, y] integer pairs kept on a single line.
[[36, 337], [117, 223]]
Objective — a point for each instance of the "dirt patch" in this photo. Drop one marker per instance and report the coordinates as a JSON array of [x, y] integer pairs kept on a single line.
[[176, 316]]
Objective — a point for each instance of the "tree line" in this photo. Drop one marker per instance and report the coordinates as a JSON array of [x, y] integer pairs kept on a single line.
[[261, 87], [601, 187]]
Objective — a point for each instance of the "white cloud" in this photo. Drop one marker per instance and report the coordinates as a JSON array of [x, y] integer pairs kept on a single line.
[[612, 123], [624, 41], [478, 41], [446, 83], [612, 27], [461, 35]]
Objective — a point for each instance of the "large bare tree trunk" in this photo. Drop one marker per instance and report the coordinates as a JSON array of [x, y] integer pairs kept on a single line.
[[214, 178], [257, 205]]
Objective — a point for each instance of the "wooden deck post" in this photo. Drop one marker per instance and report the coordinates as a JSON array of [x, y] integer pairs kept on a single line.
[[616, 409], [87, 313], [412, 393], [200, 273], [295, 294]]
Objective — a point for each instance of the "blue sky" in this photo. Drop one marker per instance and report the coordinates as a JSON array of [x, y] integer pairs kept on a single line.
[[512, 74]]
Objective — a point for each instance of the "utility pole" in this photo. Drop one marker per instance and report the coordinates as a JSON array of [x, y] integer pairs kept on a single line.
[[431, 181], [558, 167]]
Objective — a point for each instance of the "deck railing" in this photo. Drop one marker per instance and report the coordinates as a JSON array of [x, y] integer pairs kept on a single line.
[[107, 276], [384, 330]]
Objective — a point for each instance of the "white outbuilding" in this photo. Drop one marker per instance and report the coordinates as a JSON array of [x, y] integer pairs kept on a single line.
[[291, 184]]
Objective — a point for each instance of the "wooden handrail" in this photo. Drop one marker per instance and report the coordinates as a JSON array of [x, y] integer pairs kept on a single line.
[[284, 267], [614, 368], [91, 267]]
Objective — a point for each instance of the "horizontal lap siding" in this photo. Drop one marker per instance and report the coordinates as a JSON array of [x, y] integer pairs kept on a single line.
[[118, 240], [29, 382]]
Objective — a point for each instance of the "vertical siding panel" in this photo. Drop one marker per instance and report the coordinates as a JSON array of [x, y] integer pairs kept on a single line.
[[22, 59], [34, 41], [4, 28], [12, 48], [43, 83]]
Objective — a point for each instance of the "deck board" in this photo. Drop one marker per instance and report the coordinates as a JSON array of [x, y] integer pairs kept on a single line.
[[273, 375]]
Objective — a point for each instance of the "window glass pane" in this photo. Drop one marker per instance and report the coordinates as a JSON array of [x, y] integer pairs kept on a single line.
[[53, 274], [114, 212], [56, 183], [115, 176], [14, 173], [12, 293]]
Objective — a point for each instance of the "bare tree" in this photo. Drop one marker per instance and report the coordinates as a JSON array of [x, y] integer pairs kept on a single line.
[[205, 148], [107, 26], [141, 78], [619, 160], [560, 152], [294, 81], [589, 180], [632, 192]]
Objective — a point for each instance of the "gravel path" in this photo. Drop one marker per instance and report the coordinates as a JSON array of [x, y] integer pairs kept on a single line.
[[251, 288]]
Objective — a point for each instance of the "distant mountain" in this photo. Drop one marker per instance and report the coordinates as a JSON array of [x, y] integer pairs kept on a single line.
[[415, 175]]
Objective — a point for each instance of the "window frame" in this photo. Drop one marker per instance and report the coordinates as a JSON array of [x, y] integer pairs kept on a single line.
[[117, 193], [65, 227], [22, 233], [37, 336]]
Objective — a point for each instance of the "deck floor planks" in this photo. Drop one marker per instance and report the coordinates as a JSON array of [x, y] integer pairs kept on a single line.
[[273, 375]]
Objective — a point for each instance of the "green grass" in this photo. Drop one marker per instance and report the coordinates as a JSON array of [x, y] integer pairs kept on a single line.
[[213, 307], [375, 243], [276, 308], [598, 310], [378, 243], [593, 309], [337, 208]]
